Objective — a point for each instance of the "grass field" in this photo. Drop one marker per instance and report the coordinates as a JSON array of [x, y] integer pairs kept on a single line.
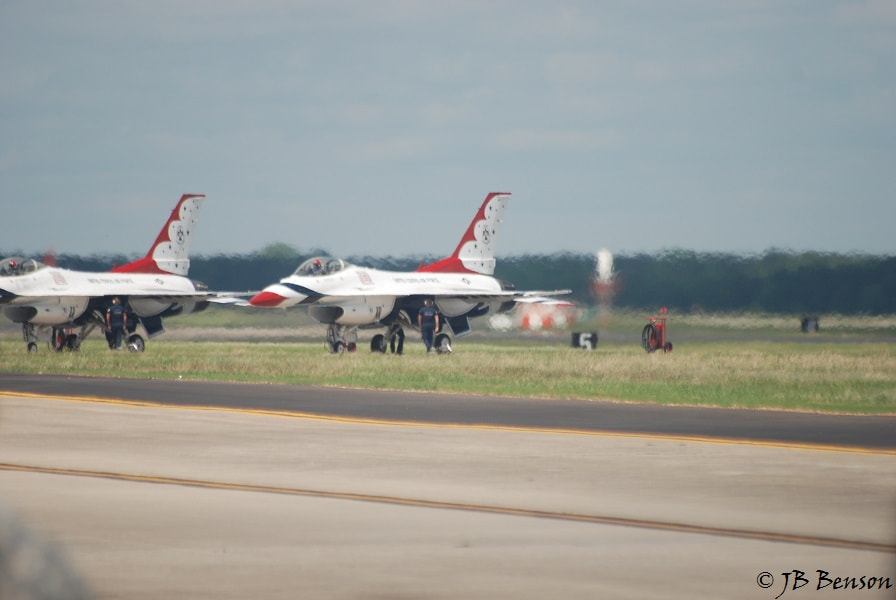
[[737, 362]]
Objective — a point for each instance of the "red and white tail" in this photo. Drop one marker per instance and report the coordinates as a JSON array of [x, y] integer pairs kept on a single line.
[[476, 251], [171, 250]]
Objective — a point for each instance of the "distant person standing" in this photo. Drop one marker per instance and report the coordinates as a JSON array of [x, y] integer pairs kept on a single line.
[[428, 321], [116, 323], [396, 341]]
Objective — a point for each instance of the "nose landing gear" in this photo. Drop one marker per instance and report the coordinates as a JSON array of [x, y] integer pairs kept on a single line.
[[341, 339]]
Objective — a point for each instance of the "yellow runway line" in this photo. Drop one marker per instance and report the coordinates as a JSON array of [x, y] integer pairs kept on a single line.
[[513, 428]]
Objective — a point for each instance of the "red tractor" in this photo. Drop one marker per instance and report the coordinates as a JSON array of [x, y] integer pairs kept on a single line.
[[653, 337]]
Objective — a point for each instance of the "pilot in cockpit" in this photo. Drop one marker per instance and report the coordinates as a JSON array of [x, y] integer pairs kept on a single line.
[[9, 268], [316, 267]]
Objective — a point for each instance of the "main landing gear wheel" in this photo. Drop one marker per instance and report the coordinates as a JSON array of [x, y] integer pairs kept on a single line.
[[32, 347], [60, 341], [442, 343], [136, 343], [57, 340], [378, 343]]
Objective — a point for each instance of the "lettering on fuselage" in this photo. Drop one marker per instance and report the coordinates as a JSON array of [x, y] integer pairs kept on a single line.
[[102, 280]]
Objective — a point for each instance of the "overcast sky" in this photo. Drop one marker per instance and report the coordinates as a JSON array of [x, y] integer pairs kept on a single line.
[[378, 127]]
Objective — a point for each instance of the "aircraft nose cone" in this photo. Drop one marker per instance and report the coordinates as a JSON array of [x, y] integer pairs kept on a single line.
[[266, 299]]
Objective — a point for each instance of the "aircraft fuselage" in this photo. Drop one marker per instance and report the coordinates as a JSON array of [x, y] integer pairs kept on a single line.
[[367, 296], [54, 296]]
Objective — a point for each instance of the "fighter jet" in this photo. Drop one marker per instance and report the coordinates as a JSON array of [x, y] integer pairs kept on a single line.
[[347, 297], [66, 306]]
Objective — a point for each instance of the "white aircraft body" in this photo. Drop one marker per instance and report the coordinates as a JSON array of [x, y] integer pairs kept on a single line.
[[347, 297], [70, 304]]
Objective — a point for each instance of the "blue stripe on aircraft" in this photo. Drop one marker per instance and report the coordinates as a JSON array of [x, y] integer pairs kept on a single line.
[[312, 296]]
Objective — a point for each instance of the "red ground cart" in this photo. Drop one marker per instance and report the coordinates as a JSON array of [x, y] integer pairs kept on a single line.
[[653, 336]]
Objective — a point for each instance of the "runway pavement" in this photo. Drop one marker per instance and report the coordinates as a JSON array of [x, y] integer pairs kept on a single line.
[[193, 490]]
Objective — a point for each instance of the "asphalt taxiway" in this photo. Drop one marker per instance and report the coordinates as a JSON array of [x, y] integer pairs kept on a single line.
[[768, 426], [187, 489]]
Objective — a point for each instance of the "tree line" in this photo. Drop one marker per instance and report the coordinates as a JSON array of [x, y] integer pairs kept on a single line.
[[775, 281]]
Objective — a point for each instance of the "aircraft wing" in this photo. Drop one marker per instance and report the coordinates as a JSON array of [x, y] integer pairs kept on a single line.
[[466, 295], [544, 297], [510, 295], [232, 298]]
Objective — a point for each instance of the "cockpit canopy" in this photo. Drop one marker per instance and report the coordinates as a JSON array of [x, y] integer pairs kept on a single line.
[[320, 265], [19, 266]]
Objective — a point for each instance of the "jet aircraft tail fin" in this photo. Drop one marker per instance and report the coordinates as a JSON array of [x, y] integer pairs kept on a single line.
[[170, 252], [476, 251]]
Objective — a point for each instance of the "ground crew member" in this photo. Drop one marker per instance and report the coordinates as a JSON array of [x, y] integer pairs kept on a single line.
[[428, 321], [116, 323]]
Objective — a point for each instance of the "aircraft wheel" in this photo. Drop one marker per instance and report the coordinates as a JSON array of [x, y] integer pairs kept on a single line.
[[338, 347], [32, 347], [667, 347], [378, 343], [71, 343], [351, 347], [57, 340], [443, 343], [136, 343], [649, 337]]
